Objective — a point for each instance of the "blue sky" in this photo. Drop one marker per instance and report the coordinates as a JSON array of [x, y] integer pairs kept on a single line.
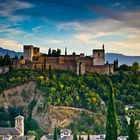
[[79, 25]]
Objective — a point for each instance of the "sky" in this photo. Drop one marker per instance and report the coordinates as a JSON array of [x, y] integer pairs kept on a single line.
[[79, 25]]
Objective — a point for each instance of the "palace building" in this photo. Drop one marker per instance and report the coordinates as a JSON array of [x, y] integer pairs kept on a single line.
[[81, 64]]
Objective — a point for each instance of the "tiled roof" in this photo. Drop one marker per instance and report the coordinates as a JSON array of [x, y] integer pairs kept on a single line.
[[19, 117], [24, 138], [10, 131]]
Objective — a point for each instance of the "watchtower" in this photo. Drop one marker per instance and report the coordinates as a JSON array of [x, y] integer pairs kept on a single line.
[[28, 52], [99, 56]]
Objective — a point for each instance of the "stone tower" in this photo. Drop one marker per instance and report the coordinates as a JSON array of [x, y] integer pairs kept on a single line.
[[28, 52], [19, 124], [99, 57]]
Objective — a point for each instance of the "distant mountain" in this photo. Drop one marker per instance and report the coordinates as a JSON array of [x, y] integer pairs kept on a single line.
[[10, 52], [122, 59]]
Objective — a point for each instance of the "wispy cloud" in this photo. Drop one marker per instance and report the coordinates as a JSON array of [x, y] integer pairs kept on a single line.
[[9, 7], [114, 33], [10, 44], [53, 41], [38, 28]]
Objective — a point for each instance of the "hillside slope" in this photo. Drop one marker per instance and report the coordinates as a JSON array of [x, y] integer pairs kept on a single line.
[[21, 96]]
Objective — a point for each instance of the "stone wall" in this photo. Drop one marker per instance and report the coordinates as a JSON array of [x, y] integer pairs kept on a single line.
[[99, 69]]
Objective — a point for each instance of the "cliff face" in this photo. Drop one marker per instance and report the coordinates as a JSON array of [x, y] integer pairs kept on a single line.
[[57, 116], [23, 95], [20, 95]]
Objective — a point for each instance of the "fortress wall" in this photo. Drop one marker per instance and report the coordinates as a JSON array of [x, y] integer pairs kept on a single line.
[[52, 60], [88, 61], [62, 67], [104, 69]]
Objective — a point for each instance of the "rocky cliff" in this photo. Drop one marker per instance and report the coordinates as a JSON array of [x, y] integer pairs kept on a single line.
[[23, 95], [20, 95]]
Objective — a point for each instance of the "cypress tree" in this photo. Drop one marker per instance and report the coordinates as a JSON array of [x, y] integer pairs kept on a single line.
[[111, 125], [88, 138], [55, 135], [80, 137], [50, 73], [75, 137], [133, 131]]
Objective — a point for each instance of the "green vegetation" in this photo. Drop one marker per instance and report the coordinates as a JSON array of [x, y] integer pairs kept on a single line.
[[134, 68], [75, 137], [33, 133], [65, 88], [88, 138], [133, 131], [111, 125], [89, 123], [7, 116], [6, 60], [55, 134]]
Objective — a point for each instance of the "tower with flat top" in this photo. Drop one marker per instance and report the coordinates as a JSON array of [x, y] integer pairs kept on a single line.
[[19, 124], [99, 57]]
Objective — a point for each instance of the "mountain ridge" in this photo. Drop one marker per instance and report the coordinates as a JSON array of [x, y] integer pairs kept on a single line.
[[10, 52]]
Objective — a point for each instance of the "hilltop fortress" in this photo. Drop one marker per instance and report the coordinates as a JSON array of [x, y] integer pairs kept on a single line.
[[33, 59]]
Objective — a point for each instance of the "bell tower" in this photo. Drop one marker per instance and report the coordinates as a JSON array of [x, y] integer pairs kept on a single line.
[[19, 124]]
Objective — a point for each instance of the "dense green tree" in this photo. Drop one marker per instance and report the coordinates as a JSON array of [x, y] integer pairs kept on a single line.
[[1, 60], [58, 52], [55, 134], [33, 133], [133, 131], [21, 57], [115, 65], [74, 137], [80, 138], [54, 52], [124, 67], [111, 125], [88, 138], [49, 52], [7, 60], [135, 66]]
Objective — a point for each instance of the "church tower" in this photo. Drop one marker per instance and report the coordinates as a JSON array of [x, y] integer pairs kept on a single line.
[[19, 124]]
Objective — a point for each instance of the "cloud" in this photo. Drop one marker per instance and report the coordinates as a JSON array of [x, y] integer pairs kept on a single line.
[[11, 44], [53, 41], [114, 33], [128, 17], [9, 7], [37, 28]]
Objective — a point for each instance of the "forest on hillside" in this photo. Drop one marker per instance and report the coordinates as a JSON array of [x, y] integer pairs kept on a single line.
[[65, 88]]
